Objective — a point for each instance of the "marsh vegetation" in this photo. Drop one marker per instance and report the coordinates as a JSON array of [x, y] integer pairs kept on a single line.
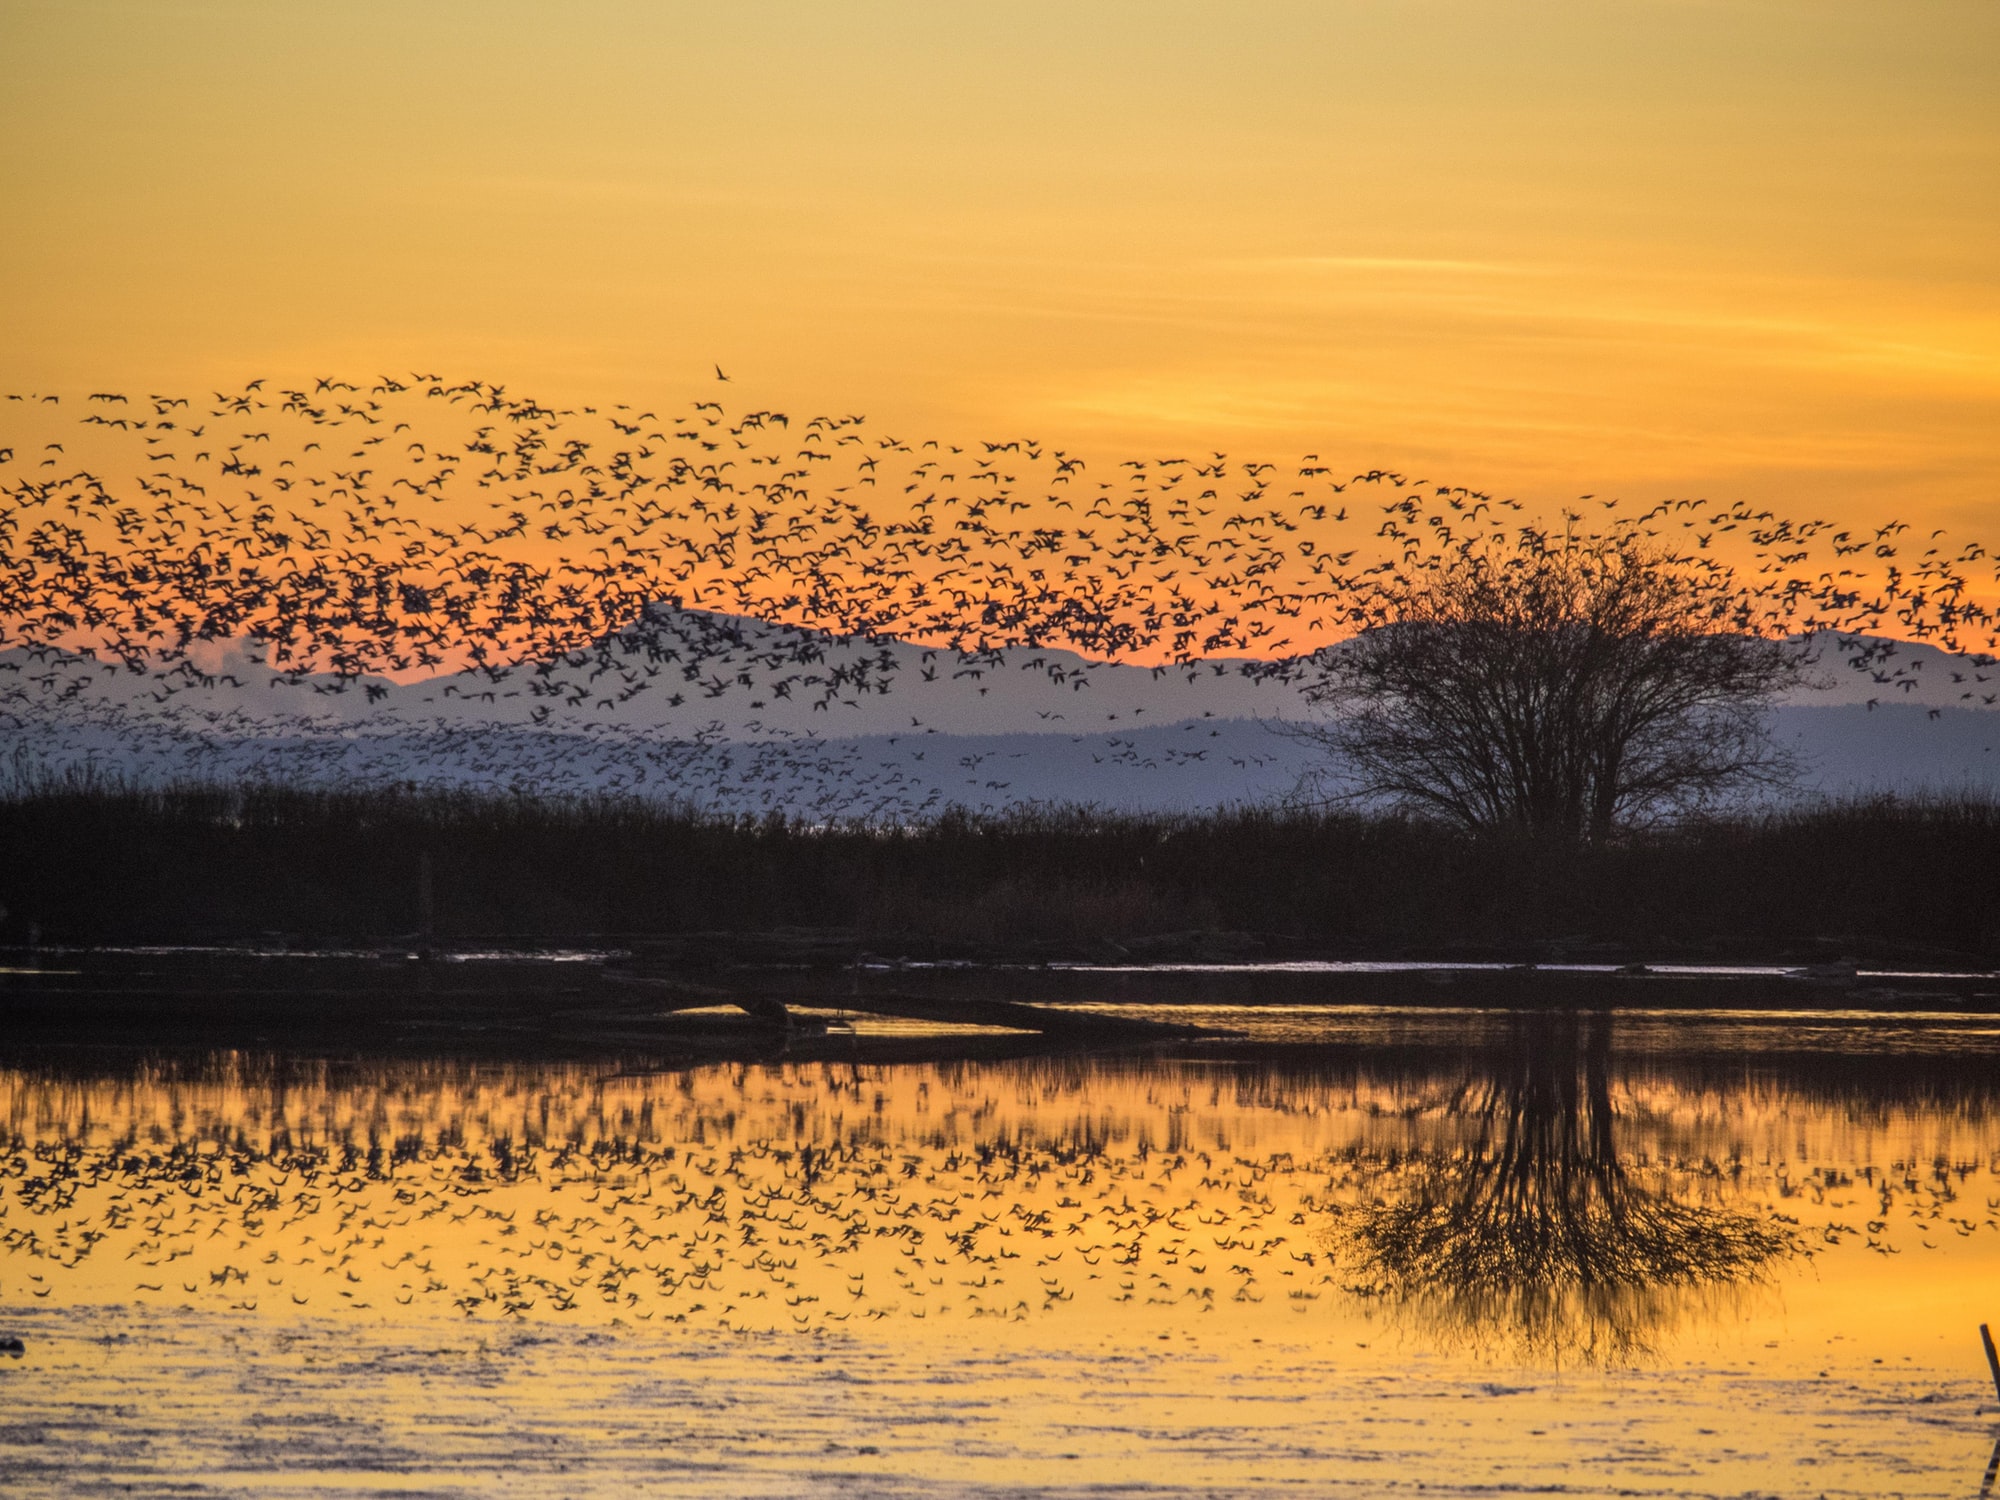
[[1915, 879]]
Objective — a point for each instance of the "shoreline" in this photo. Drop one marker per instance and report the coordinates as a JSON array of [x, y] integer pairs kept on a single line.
[[649, 1008]]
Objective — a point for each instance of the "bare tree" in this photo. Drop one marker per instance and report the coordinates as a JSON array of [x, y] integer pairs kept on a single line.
[[1559, 686]]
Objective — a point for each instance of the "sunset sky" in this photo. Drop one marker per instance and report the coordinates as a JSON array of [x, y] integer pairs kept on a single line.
[[1747, 250]]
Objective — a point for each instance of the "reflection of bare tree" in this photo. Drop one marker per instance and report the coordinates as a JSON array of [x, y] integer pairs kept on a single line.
[[1530, 1232]]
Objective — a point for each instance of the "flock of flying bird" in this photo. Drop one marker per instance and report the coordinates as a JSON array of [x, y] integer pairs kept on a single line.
[[414, 525]]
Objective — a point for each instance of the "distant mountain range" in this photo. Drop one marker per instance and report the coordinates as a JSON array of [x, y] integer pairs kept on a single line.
[[743, 716]]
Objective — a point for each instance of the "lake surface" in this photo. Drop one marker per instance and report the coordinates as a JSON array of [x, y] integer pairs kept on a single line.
[[1355, 1251]]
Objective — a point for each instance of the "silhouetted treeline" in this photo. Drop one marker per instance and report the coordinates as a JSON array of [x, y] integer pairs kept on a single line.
[[92, 864]]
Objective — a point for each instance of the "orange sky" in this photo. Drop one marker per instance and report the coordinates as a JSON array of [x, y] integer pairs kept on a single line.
[[1749, 250]]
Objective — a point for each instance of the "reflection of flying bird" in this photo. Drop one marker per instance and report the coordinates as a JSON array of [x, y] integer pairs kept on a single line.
[[545, 1192]]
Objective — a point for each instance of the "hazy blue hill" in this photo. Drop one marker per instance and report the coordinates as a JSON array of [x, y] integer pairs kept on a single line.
[[739, 715], [1895, 747]]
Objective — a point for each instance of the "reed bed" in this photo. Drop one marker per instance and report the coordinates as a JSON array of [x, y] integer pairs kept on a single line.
[[91, 861]]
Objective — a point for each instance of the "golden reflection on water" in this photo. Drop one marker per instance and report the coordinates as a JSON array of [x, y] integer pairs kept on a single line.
[[1552, 1205]]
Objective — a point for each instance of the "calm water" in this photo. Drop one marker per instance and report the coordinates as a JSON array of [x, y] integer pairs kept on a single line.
[[1358, 1252]]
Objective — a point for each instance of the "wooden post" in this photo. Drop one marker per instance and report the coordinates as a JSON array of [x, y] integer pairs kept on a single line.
[[1992, 1356]]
